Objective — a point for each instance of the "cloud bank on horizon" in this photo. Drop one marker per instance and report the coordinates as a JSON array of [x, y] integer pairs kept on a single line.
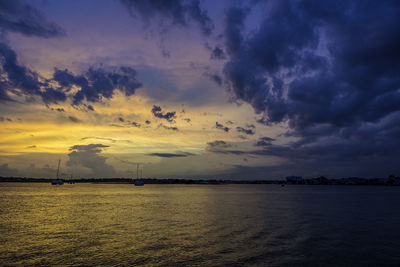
[[258, 89]]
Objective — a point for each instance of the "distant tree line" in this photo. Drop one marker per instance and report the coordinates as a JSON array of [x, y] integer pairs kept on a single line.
[[321, 180]]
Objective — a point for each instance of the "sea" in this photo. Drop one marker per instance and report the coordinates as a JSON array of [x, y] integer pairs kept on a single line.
[[198, 225]]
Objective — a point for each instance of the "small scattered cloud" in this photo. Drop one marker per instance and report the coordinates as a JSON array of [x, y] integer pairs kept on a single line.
[[157, 112], [264, 141], [179, 154], [218, 144], [218, 53], [246, 131], [105, 138], [136, 124], [221, 127], [172, 128], [116, 125], [74, 119], [98, 138]]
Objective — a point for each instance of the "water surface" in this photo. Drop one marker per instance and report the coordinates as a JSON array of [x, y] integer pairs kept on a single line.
[[261, 225]]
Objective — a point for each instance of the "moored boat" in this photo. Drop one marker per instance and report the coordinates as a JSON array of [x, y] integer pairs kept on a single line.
[[58, 181], [138, 181]]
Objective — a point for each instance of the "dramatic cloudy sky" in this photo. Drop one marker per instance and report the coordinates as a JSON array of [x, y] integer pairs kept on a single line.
[[200, 89]]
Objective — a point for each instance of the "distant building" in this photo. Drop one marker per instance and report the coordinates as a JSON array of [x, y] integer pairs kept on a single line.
[[294, 179]]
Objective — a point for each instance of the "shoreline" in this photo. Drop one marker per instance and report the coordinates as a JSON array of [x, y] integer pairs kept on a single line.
[[390, 181]]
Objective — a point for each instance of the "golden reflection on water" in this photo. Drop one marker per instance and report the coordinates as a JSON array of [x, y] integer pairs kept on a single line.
[[120, 224], [98, 223]]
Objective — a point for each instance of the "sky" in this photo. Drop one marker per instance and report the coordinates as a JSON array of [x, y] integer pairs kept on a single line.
[[200, 89]]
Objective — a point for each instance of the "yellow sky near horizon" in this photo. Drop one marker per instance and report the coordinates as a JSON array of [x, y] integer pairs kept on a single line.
[[33, 128]]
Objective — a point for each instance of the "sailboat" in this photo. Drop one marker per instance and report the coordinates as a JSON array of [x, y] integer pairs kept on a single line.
[[70, 181], [57, 181], [138, 181]]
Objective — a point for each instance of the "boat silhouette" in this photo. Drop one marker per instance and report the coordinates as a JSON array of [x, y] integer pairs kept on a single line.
[[58, 181], [138, 181]]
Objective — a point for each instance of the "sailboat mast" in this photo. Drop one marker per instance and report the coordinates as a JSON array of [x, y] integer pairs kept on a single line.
[[137, 170], [58, 168]]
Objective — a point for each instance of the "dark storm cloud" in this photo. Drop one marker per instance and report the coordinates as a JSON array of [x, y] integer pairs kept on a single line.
[[22, 18], [178, 11], [3, 92], [335, 160], [22, 81], [88, 156], [320, 67], [356, 79], [370, 151], [18, 79], [221, 127], [234, 23], [94, 86], [157, 112], [244, 130], [97, 84], [179, 154]]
